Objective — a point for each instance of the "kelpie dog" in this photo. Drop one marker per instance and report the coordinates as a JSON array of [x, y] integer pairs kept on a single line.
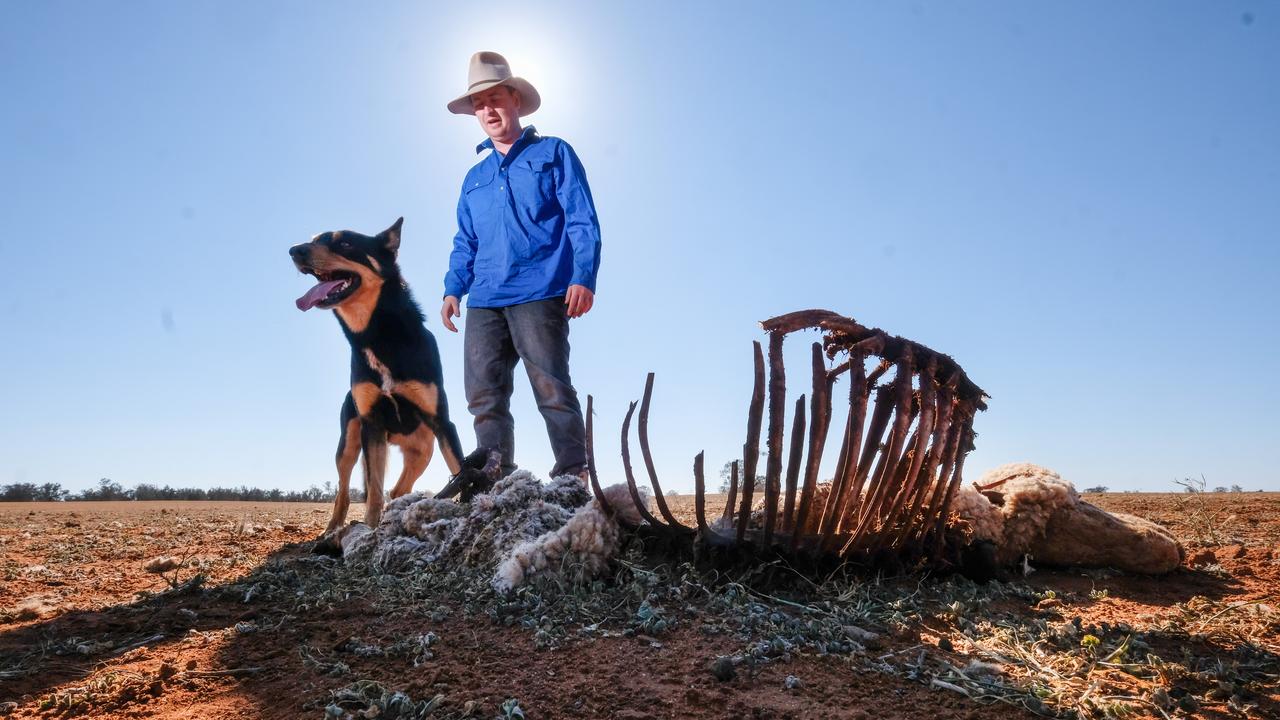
[[396, 381]]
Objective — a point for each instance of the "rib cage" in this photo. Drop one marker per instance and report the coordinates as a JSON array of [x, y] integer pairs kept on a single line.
[[890, 494]]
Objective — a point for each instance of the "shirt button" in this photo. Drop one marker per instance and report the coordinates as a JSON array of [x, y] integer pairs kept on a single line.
[[501, 188]]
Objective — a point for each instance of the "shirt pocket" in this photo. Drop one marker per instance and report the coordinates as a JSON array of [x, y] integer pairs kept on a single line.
[[482, 198], [533, 186], [481, 195]]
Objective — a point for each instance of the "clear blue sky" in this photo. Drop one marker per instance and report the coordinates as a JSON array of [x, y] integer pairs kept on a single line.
[[1079, 201]]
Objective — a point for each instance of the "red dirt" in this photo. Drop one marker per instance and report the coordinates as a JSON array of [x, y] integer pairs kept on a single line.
[[77, 568]]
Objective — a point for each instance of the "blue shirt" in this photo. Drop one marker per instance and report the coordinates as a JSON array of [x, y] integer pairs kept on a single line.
[[527, 226]]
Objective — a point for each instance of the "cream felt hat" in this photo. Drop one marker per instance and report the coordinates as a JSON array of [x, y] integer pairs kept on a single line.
[[489, 69]]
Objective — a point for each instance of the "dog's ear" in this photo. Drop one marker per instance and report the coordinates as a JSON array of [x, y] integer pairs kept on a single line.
[[391, 236]]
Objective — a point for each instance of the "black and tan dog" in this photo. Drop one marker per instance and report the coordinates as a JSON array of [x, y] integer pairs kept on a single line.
[[397, 394]]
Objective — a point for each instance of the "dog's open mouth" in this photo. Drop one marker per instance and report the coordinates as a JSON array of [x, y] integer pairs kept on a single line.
[[333, 288]]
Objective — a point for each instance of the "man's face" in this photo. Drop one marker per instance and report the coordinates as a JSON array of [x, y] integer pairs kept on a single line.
[[498, 110]]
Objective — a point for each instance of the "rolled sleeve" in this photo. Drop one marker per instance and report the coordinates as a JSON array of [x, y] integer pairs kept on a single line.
[[582, 227]]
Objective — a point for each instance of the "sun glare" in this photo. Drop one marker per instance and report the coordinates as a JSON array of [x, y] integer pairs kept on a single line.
[[540, 56]]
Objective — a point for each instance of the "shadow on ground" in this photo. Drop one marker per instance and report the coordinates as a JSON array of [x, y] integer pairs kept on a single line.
[[301, 632]]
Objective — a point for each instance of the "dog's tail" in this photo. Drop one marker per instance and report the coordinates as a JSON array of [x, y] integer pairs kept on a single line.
[[447, 436]]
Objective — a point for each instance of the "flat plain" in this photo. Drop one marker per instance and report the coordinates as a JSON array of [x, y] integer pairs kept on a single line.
[[219, 610]]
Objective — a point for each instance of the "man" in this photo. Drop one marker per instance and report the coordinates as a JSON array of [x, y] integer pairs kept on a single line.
[[527, 250]]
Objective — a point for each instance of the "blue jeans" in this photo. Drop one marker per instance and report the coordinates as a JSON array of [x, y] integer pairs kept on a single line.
[[537, 333]]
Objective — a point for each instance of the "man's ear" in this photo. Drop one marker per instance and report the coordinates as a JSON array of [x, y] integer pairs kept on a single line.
[[391, 236]]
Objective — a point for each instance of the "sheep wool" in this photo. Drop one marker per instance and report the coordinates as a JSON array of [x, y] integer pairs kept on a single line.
[[523, 529], [586, 543], [520, 529], [755, 521], [1029, 495], [985, 520], [1031, 510]]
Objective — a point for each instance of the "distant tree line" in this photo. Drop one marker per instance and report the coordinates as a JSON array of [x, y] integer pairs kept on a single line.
[[1200, 485], [109, 489]]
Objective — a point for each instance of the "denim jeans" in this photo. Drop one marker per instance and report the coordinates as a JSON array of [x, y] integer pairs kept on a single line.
[[538, 334]]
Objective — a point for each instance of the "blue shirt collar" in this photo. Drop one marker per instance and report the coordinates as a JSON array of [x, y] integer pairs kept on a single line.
[[530, 133]]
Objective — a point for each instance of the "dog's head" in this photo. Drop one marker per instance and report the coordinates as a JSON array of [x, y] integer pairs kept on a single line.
[[351, 267]]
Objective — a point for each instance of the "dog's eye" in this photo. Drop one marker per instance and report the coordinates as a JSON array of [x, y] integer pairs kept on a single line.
[[343, 245]]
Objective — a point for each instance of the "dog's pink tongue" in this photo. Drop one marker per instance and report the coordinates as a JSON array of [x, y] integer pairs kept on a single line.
[[316, 294]]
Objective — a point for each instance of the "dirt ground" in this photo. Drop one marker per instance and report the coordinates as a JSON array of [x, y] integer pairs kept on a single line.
[[248, 623]]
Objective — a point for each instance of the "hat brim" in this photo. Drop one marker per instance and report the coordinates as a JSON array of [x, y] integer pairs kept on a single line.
[[530, 100]]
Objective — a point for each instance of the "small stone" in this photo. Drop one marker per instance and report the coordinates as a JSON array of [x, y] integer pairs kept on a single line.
[[865, 637], [793, 683], [162, 564], [723, 669], [1161, 699], [945, 644], [978, 668], [1204, 557]]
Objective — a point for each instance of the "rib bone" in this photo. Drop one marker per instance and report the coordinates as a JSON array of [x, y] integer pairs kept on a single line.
[[890, 495]]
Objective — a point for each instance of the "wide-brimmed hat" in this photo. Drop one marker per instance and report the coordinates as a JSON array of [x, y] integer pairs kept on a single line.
[[488, 70]]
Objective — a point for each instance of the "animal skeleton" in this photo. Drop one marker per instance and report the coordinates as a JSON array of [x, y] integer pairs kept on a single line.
[[888, 503]]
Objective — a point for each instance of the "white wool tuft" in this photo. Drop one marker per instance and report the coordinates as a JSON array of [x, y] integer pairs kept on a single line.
[[567, 491], [1043, 516], [587, 541], [400, 552], [985, 520], [357, 538], [1030, 495], [723, 523], [619, 499], [393, 512], [521, 528], [756, 521], [1009, 471]]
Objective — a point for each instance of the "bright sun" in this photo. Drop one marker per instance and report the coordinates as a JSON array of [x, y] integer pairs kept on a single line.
[[543, 57]]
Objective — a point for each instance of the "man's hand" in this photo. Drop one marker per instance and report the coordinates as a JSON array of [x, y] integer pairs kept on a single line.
[[579, 299], [450, 310]]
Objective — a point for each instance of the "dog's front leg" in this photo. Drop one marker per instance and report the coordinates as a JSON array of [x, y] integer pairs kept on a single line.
[[348, 452], [373, 443]]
